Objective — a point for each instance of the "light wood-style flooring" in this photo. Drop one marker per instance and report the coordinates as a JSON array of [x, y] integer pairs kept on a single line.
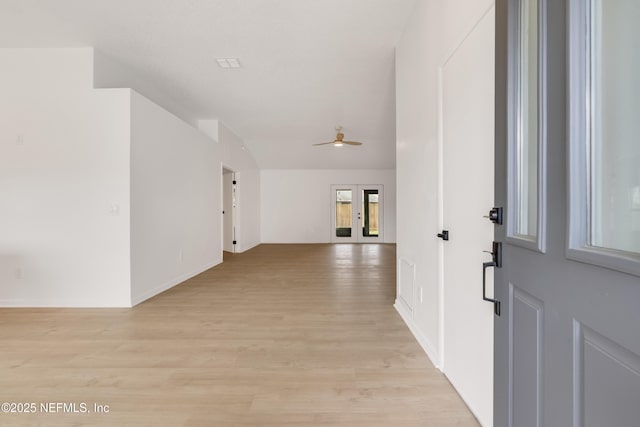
[[283, 335]]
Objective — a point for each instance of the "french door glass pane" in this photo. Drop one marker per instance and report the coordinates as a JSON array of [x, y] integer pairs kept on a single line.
[[370, 213], [344, 213], [615, 120], [526, 165]]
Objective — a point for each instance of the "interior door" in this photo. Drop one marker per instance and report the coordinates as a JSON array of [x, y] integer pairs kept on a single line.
[[357, 214], [567, 345], [228, 210], [467, 124]]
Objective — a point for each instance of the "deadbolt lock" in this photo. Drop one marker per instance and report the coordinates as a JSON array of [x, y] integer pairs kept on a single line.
[[495, 216]]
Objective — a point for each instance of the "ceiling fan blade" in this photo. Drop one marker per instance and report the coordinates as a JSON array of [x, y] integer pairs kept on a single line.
[[324, 143], [352, 142]]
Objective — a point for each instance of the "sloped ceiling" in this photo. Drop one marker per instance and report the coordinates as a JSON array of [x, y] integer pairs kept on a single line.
[[307, 65]]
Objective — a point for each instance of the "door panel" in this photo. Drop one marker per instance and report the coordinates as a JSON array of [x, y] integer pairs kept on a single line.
[[567, 346], [603, 368], [467, 126], [525, 324]]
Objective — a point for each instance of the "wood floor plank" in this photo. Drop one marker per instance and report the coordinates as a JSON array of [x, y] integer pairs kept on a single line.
[[283, 335]]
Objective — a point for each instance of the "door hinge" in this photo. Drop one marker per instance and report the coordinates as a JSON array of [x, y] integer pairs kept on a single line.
[[234, 242], [235, 182]]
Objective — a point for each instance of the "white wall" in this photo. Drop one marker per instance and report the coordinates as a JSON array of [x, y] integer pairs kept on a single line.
[[106, 198], [435, 28], [176, 207], [64, 182], [109, 73], [296, 204], [417, 56]]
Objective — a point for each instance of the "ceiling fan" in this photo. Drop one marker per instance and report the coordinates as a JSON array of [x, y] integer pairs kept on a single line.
[[339, 141]]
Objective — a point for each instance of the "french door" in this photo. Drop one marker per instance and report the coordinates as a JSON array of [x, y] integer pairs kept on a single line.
[[567, 342], [357, 214]]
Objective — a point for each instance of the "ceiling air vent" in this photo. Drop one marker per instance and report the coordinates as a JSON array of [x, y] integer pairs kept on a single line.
[[228, 62]]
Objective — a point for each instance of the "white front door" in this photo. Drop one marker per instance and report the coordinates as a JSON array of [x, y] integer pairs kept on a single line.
[[357, 213], [468, 190]]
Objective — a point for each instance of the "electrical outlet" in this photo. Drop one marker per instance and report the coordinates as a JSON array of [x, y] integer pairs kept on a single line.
[[20, 139]]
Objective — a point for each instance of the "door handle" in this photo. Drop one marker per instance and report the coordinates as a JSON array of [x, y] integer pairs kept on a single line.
[[496, 255], [496, 303], [444, 235]]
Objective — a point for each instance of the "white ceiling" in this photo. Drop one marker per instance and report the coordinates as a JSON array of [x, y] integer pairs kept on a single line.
[[307, 65]]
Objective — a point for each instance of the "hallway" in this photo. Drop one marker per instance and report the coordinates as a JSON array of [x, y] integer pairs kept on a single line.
[[280, 335]]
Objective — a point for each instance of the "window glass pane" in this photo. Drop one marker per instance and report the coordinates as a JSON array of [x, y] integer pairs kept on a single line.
[[615, 117], [526, 167], [344, 213]]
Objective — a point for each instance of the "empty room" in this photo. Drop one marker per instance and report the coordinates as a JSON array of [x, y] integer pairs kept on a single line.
[[319, 213]]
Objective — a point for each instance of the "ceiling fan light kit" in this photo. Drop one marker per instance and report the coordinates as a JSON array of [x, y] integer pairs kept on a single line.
[[339, 141]]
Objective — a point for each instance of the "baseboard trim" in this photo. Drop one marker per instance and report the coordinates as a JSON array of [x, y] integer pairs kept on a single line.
[[137, 299], [432, 354], [61, 303], [243, 248]]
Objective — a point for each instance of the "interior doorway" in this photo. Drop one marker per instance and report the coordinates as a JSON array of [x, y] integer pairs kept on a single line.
[[228, 210], [357, 213]]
